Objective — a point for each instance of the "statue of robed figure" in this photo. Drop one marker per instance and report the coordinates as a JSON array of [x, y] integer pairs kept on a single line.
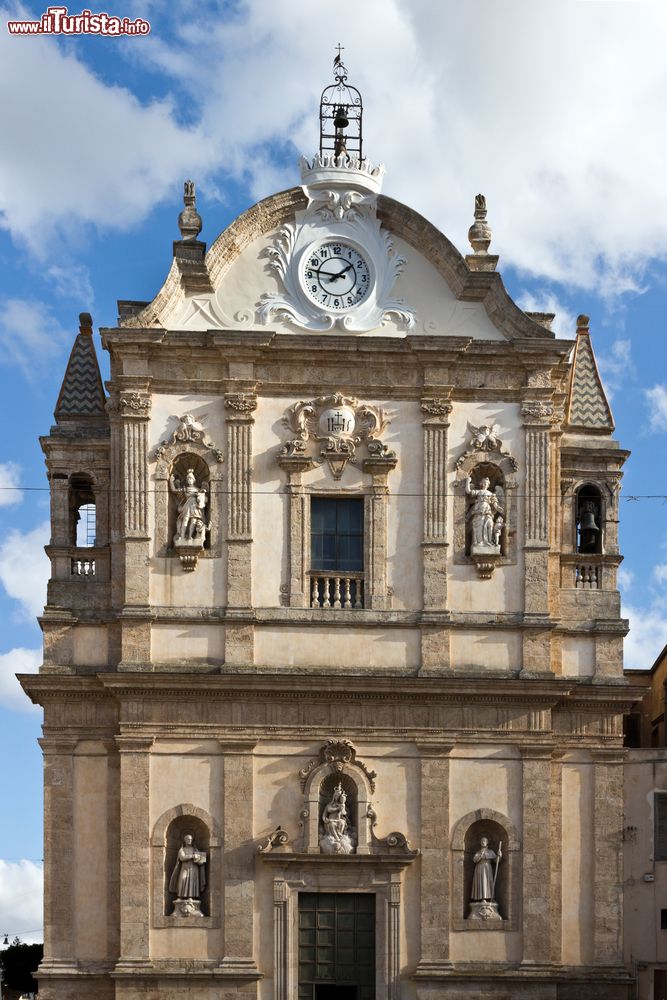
[[188, 879], [483, 903]]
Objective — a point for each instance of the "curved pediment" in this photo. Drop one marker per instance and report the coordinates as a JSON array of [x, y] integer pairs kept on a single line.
[[253, 273]]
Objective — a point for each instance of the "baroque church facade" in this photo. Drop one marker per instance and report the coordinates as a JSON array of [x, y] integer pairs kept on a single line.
[[333, 685]]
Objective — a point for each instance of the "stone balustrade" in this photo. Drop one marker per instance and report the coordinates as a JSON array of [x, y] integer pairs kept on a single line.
[[342, 590]]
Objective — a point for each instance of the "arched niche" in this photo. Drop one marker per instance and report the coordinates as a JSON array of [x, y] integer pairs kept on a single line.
[[465, 841], [318, 788], [500, 468], [176, 458], [166, 840]]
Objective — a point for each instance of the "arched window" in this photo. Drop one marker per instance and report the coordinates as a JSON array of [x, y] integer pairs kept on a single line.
[[82, 511], [589, 520]]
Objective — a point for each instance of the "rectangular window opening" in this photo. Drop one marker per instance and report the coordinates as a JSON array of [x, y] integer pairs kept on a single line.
[[337, 552], [660, 845]]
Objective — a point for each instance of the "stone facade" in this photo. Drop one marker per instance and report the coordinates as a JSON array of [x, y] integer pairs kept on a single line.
[[450, 703]]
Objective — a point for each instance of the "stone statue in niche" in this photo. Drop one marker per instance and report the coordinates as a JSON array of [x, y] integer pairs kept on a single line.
[[336, 837], [192, 524], [483, 903], [188, 879], [485, 517], [483, 512], [193, 500]]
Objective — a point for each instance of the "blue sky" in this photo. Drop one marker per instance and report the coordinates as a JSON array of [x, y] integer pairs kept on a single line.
[[553, 110]]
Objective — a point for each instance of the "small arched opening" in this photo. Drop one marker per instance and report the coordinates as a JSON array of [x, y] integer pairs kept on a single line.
[[82, 511], [589, 520]]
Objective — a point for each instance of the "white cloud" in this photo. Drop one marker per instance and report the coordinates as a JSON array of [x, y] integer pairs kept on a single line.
[[571, 162], [565, 322], [30, 337], [647, 636], [73, 282], [625, 578], [9, 483], [657, 400], [24, 568], [21, 887], [660, 573], [77, 151], [616, 366], [17, 661]]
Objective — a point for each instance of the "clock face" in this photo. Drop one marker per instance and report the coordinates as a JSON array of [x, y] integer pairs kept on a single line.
[[336, 276]]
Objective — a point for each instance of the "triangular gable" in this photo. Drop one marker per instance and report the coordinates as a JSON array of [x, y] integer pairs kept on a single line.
[[81, 394], [588, 408]]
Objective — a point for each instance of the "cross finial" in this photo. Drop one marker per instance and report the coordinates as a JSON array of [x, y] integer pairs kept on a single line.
[[338, 65]]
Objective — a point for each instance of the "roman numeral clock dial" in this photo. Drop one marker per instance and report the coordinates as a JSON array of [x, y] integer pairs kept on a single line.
[[336, 276]]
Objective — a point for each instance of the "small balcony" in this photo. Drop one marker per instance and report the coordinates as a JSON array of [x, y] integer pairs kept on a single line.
[[589, 572], [336, 590], [83, 566]]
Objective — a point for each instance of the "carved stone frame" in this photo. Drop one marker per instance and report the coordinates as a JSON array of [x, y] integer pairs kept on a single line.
[[465, 467], [296, 589], [167, 456], [214, 874], [362, 779], [511, 857], [377, 874]]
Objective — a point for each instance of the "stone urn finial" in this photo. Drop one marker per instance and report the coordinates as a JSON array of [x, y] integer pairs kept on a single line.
[[189, 221], [480, 232]]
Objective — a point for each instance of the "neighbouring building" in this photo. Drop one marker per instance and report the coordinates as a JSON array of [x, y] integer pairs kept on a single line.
[[645, 835], [332, 680]]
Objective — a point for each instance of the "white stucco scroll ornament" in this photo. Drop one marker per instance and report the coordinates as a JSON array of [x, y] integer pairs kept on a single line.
[[340, 424], [342, 210], [189, 431]]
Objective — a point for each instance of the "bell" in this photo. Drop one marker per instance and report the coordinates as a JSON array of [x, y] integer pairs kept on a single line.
[[340, 119], [588, 529], [587, 522]]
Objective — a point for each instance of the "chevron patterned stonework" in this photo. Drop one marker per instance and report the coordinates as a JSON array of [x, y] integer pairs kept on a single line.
[[82, 394], [588, 404]]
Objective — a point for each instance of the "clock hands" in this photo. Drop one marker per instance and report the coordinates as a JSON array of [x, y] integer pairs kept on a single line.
[[339, 274], [331, 275]]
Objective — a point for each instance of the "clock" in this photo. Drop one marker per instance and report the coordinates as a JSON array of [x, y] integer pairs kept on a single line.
[[335, 275]]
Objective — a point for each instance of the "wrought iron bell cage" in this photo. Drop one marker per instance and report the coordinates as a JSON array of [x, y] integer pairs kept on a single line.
[[341, 113]]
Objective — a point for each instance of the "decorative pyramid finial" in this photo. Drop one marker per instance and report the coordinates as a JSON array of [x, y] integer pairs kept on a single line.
[[81, 395], [189, 221], [587, 408], [480, 235]]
